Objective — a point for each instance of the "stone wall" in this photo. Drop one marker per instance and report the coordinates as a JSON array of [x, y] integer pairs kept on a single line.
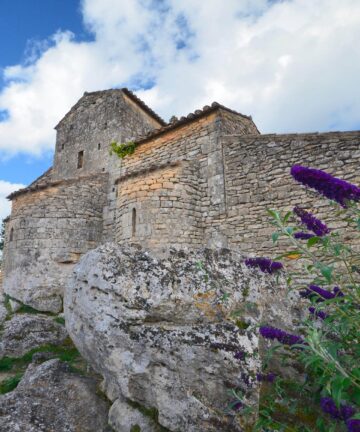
[[161, 207], [48, 232], [98, 119], [257, 172], [90, 126], [198, 201]]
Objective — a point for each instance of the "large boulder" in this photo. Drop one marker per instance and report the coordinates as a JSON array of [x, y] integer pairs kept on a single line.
[[51, 398], [174, 335]]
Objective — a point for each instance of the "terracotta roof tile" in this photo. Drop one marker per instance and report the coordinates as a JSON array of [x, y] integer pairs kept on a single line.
[[174, 122]]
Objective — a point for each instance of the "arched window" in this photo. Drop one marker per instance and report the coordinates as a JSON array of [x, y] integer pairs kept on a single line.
[[133, 222], [11, 234]]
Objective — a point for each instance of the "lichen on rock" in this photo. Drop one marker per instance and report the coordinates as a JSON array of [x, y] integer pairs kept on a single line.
[[162, 330], [51, 398]]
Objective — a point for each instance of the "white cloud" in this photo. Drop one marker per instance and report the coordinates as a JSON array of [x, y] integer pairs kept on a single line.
[[293, 65], [6, 189]]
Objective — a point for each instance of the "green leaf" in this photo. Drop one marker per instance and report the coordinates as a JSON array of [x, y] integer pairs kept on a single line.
[[287, 216], [275, 236], [289, 230], [356, 395], [274, 214], [338, 386], [337, 249], [312, 241], [326, 271]]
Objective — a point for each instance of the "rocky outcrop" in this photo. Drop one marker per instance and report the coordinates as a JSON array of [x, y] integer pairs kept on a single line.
[[172, 335], [50, 398], [3, 312], [24, 332]]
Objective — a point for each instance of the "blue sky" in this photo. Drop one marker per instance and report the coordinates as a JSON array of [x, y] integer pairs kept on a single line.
[[23, 23], [293, 65]]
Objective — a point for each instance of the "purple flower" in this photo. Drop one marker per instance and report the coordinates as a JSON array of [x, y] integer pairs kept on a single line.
[[318, 313], [322, 293], [270, 377], [283, 337], [303, 235], [338, 292], [236, 405], [353, 425], [331, 187], [311, 222], [329, 407], [264, 264], [240, 355]]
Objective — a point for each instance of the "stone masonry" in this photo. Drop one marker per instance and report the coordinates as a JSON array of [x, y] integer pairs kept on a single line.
[[203, 180]]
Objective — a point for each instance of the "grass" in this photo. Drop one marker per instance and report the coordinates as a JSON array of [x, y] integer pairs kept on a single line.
[[60, 320], [23, 308], [65, 352], [9, 384]]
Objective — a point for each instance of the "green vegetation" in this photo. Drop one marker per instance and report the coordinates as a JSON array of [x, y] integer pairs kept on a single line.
[[60, 320], [24, 308], [65, 352], [311, 380], [17, 365], [151, 413], [135, 428], [10, 384], [122, 150]]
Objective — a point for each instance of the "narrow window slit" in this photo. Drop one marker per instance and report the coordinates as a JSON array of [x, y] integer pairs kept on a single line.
[[12, 234], [80, 159], [133, 220]]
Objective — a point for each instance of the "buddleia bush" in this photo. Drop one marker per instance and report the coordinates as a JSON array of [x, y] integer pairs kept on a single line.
[[322, 393]]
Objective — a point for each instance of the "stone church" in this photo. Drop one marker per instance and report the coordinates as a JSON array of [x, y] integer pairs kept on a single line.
[[202, 180]]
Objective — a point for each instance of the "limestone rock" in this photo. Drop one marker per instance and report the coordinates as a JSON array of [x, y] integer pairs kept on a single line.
[[50, 398], [159, 330], [37, 284], [14, 305], [124, 418], [3, 312], [24, 332]]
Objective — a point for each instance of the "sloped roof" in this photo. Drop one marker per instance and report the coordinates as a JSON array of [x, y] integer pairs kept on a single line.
[[94, 95], [143, 105], [197, 114], [40, 183]]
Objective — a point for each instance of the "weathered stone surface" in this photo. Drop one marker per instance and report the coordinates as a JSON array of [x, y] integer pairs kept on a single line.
[[47, 242], [3, 311], [123, 417], [159, 330], [204, 181], [14, 305], [50, 398], [26, 331]]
